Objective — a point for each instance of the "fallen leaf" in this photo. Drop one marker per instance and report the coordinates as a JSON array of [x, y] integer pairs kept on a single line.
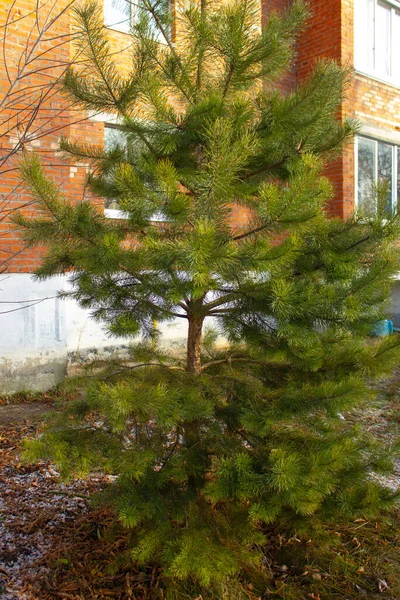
[[361, 590], [361, 570], [382, 585]]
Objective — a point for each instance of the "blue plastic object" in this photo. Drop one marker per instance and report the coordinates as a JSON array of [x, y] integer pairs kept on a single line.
[[383, 328]]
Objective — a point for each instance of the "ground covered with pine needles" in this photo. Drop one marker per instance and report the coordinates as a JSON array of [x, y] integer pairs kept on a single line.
[[56, 544]]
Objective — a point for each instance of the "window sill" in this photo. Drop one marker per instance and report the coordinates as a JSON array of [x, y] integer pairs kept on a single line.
[[377, 78], [115, 213], [394, 3]]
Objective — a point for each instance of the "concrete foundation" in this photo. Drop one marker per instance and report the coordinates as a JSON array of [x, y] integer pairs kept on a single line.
[[31, 373]]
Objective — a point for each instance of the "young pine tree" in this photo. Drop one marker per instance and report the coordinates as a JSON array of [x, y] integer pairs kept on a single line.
[[209, 449]]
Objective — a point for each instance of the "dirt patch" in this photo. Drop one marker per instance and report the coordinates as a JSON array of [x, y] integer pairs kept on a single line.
[[17, 413]]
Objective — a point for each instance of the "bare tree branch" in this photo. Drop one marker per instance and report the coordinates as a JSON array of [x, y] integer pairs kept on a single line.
[[32, 110]]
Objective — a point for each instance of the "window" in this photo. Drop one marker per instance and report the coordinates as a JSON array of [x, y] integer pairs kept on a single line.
[[123, 14], [377, 38], [376, 161], [118, 14], [114, 136]]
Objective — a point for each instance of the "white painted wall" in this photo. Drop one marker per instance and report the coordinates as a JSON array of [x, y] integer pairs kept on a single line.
[[39, 333], [32, 318], [32, 333]]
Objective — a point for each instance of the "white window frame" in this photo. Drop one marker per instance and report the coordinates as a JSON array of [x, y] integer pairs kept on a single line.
[[374, 71], [395, 173], [126, 25]]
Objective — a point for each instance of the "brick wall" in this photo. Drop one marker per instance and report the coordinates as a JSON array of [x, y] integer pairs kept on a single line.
[[16, 104], [330, 34], [55, 119], [326, 36], [374, 103], [288, 81]]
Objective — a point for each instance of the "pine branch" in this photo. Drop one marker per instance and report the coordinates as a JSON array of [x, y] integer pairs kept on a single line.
[[231, 360]]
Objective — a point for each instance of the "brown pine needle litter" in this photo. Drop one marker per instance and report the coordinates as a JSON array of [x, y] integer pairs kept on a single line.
[[55, 544]]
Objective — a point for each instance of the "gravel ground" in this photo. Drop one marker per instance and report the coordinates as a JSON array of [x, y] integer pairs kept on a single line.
[[34, 507], [382, 420]]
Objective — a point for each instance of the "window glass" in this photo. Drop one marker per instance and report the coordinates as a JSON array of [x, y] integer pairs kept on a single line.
[[122, 14], [152, 22], [385, 169], [382, 38], [377, 38], [364, 34], [396, 47], [117, 14], [377, 162], [366, 174], [113, 137]]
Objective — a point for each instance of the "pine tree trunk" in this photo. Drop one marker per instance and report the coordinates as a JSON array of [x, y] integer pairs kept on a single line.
[[193, 364]]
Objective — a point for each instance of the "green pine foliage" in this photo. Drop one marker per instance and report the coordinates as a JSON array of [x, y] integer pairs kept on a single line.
[[210, 448]]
